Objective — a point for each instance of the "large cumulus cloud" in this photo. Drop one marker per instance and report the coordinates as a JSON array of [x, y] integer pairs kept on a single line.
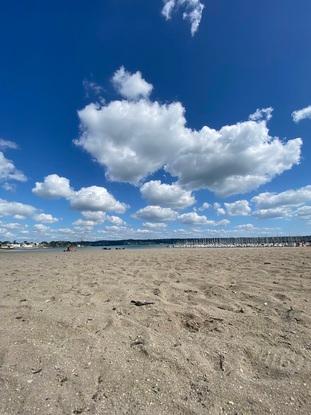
[[133, 139]]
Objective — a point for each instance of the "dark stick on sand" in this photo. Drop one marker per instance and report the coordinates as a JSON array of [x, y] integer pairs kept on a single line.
[[141, 303], [221, 362]]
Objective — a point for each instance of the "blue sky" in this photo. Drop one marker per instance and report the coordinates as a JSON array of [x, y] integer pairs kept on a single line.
[[121, 118]]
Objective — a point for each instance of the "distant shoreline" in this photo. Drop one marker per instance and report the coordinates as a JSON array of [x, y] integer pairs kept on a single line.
[[262, 241], [148, 248], [167, 242]]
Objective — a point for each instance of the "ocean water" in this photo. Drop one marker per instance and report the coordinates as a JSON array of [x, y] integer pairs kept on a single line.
[[87, 248]]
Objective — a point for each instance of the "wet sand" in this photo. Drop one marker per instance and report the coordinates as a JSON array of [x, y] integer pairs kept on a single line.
[[229, 332]]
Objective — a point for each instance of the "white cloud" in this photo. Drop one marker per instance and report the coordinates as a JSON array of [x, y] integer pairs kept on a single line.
[[143, 231], [223, 222], [11, 231], [262, 114], [192, 218], [14, 226], [41, 228], [155, 214], [304, 113], [84, 223], [91, 88], [219, 210], [116, 220], [9, 187], [126, 232], [95, 198], [131, 86], [21, 211], [249, 227], [87, 199], [19, 217], [273, 213], [45, 218], [7, 144], [304, 212], [166, 195], [53, 187], [95, 216], [235, 159], [289, 197], [6, 235], [168, 8], [154, 226], [65, 231], [205, 206], [193, 11], [238, 208], [134, 139], [117, 228], [8, 170], [287, 204], [16, 209]]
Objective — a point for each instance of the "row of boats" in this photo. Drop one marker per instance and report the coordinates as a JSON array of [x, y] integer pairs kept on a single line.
[[241, 245]]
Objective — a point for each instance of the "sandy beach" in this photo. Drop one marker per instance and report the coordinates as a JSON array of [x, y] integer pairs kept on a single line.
[[228, 331]]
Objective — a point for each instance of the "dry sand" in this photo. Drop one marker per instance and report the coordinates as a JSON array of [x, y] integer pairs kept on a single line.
[[228, 333]]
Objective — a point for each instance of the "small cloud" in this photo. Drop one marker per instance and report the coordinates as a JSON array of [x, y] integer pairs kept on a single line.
[[193, 10], [219, 210], [8, 171], [9, 187], [304, 113], [262, 114], [205, 206], [192, 218], [154, 226], [45, 218], [41, 228], [53, 187], [92, 89], [88, 224], [167, 195], [238, 208], [155, 214], [249, 227], [116, 220], [7, 144], [131, 86], [94, 216]]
